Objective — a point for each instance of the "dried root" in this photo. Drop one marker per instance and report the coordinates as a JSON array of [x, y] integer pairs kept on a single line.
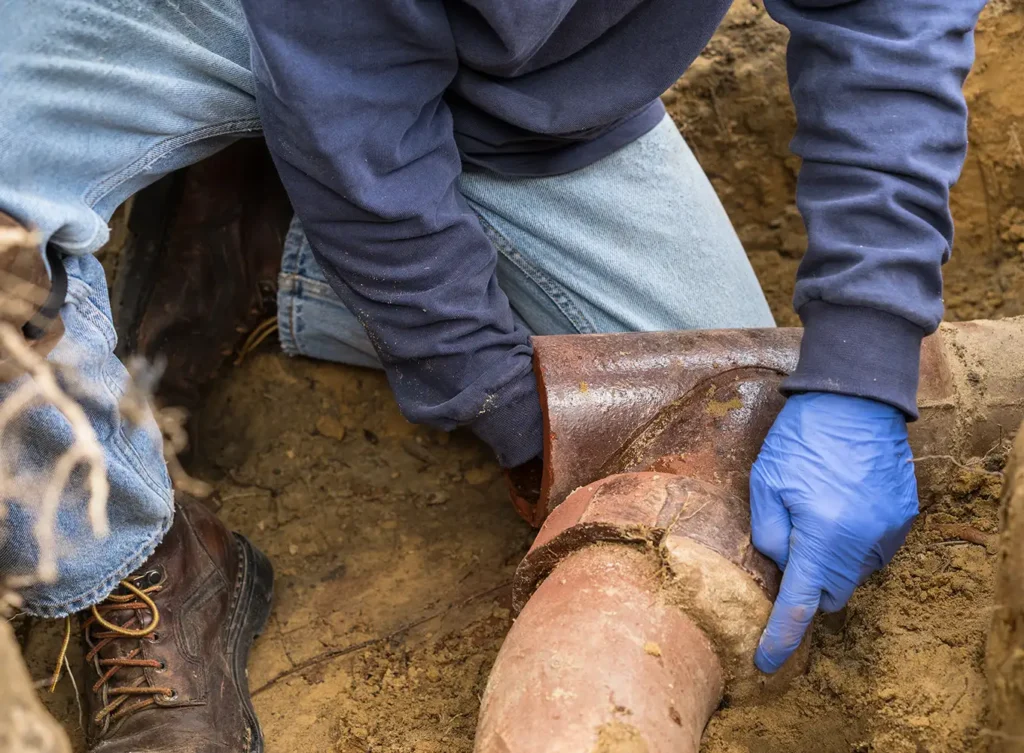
[[39, 385], [139, 403], [25, 727]]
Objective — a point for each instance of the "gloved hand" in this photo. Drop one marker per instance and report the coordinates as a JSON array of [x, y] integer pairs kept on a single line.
[[832, 497]]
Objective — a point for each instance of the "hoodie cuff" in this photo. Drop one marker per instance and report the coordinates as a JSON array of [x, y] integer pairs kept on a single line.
[[514, 429], [859, 351]]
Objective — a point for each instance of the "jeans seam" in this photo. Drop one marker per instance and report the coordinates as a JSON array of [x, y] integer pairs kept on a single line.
[[161, 149], [141, 467], [92, 314], [292, 248], [310, 285], [288, 336], [79, 294], [576, 318]]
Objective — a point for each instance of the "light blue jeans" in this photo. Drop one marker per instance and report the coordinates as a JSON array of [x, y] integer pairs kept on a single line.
[[102, 97]]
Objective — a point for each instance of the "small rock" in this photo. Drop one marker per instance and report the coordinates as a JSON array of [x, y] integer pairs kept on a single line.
[[652, 648], [477, 476], [293, 549], [330, 427]]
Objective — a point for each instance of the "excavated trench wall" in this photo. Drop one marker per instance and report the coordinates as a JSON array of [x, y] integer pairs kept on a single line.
[[733, 106]]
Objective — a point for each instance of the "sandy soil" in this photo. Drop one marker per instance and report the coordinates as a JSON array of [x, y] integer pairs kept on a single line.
[[394, 545], [386, 536]]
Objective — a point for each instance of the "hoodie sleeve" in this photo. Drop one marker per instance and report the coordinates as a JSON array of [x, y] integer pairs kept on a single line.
[[882, 130], [351, 99]]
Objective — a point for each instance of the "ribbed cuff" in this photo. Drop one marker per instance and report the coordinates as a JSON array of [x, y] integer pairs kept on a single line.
[[859, 351], [514, 430]]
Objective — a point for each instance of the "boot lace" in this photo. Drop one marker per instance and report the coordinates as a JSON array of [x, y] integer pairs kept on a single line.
[[100, 633]]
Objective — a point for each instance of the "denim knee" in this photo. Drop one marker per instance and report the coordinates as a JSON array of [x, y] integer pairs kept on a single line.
[[140, 503]]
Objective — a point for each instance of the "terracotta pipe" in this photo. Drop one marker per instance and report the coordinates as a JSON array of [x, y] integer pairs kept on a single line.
[[642, 599], [639, 672], [699, 403]]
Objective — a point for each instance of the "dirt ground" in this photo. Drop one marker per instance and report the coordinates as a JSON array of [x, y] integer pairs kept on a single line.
[[394, 545]]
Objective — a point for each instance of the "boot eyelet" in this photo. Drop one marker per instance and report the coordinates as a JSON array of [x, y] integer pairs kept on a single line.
[[149, 579], [162, 667], [172, 697], [154, 578], [154, 637]]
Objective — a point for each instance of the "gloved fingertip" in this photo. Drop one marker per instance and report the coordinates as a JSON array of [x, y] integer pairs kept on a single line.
[[766, 663], [792, 613]]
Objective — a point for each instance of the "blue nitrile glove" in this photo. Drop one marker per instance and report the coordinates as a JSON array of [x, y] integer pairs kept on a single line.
[[832, 497]]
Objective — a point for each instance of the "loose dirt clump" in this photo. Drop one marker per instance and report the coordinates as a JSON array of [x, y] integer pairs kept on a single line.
[[1005, 650], [620, 738]]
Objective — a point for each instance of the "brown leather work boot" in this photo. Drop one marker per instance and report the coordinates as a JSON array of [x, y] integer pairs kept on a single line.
[[166, 653], [199, 272]]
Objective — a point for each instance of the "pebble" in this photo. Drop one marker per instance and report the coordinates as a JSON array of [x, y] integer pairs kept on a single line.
[[476, 476], [652, 648], [330, 427]]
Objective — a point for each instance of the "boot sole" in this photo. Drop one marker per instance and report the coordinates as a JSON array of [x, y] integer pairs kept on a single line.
[[255, 594]]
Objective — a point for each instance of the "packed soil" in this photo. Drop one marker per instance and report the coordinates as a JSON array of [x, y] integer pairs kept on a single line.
[[394, 545]]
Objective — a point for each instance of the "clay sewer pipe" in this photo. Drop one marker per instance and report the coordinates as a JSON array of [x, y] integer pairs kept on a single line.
[[642, 599]]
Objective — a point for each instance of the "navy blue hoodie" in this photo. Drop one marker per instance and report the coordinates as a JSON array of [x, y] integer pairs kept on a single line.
[[372, 108]]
